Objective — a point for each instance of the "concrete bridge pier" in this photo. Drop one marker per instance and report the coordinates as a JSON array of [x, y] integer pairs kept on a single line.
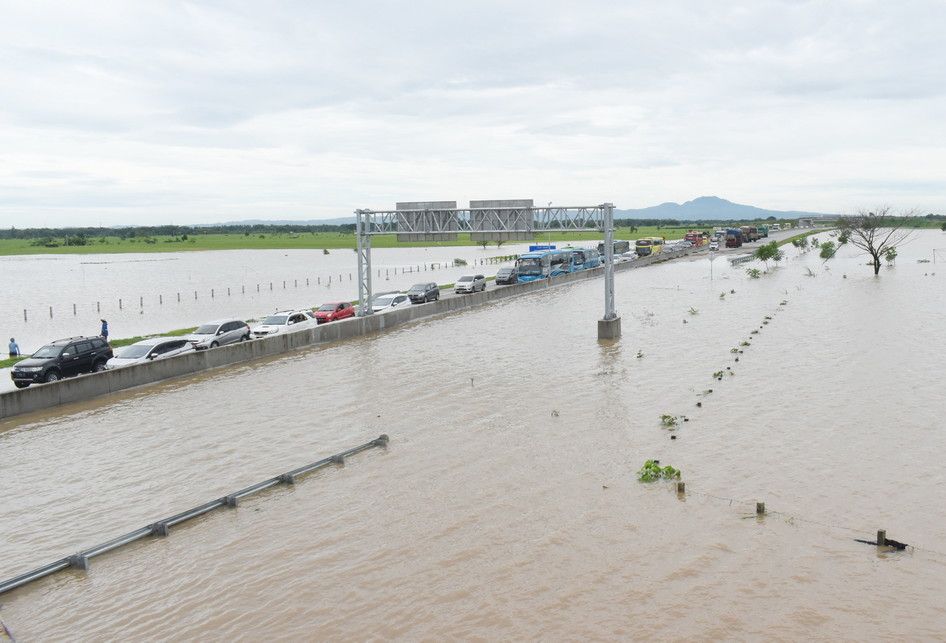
[[609, 328]]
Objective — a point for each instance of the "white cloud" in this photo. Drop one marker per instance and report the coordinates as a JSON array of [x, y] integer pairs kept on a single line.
[[115, 112]]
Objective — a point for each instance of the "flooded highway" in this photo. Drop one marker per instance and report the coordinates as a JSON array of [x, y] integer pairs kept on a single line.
[[245, 283], [507, 505]]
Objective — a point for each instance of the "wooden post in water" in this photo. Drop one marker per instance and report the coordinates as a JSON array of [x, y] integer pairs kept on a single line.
[[881, 537], [160, 300], [50, 312], [119, 303], [681, 487], [73, 310], [24, 316], [141, 302], [760, 508], [98, 307]]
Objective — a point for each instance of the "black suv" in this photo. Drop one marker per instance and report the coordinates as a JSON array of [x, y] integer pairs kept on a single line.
[[62, 358], [422, 293], [507, 276]]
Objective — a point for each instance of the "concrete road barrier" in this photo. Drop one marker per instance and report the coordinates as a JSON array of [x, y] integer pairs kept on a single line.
[[87, 387]]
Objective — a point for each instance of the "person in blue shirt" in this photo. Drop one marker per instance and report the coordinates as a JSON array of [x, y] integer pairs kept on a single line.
[[14, 349], [104, 332]]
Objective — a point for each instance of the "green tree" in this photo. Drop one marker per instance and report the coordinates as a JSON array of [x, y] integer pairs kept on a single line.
[[890, 254], [768, 252], [827, 250]]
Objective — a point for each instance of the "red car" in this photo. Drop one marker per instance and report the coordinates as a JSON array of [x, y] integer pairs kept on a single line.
[[333, 311]]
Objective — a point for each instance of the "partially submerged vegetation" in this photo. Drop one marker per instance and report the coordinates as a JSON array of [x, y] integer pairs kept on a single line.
[[652, 471]]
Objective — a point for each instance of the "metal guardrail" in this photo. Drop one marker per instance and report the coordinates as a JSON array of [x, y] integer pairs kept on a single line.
[[162, 527]]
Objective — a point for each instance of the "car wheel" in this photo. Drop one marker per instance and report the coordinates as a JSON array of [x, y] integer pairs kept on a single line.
[[98, 367], [243, 338], [21, 384], [51, 376], [214, 344]]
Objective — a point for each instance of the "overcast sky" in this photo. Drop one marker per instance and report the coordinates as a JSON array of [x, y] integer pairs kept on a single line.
[[186, 112]]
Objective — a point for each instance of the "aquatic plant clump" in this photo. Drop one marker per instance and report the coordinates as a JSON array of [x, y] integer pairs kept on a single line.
[[668, 420], [652, 471]]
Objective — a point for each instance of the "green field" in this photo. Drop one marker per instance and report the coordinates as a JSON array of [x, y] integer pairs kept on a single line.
[[282, 241]]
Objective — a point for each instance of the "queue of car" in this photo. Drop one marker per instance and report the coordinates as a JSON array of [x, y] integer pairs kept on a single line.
[[77, 355]]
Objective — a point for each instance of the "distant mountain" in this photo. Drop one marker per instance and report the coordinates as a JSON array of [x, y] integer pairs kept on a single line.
[[709, 208], [701, 208]]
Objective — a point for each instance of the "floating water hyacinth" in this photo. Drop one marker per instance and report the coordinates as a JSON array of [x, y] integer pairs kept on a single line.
[[652, 471]]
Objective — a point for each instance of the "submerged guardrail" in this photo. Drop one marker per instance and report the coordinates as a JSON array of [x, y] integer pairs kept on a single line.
[[162, 527]]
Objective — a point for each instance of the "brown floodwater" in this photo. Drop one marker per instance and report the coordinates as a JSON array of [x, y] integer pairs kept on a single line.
[[506, 505]]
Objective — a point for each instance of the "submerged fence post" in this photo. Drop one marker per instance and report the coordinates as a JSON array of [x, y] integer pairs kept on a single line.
[[78, 561], [881, 537], [73, 310], [760, 508], [24, 315], [681, 487]]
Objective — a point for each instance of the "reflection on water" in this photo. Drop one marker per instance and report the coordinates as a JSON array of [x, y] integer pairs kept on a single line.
[[490, 516]]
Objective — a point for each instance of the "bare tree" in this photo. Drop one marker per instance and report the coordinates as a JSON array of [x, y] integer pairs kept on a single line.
[[876, 232]]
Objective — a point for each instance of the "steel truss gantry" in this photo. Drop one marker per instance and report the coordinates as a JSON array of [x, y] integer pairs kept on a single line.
[[512, 222]]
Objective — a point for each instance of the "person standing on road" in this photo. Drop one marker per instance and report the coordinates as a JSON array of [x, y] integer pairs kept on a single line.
[[104, 332], [14, 348]]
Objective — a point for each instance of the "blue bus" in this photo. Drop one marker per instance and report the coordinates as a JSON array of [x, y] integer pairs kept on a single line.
[[583, 259], [543, 264]]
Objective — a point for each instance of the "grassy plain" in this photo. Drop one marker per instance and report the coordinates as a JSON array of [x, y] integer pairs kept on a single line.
[[283, 241]]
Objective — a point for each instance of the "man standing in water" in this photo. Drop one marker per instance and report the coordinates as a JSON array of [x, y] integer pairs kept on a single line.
[[104, 332], [13, 349]]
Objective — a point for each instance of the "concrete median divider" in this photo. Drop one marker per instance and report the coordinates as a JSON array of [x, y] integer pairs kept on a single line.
[[87, 387]]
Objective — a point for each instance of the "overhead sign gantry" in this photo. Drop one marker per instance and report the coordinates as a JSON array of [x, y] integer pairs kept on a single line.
[[498, 220]]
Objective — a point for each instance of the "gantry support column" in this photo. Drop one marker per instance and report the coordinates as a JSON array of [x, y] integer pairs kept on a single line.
[[610, 326]]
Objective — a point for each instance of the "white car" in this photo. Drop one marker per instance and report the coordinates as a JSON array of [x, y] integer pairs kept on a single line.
[[714, 245], [286, 321], [219, 333], [390, 301], [148, 350]]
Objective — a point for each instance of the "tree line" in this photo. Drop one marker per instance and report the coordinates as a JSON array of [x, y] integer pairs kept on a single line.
[[75, 236]]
